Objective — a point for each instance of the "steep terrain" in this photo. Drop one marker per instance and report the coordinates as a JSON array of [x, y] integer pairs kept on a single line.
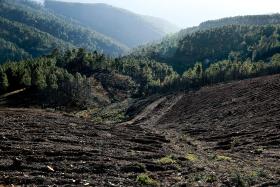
[[30, 30], [225, 135], [242, 37], [124, 26]]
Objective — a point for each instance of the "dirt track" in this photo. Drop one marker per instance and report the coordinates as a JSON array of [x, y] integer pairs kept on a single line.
[[216, 137]]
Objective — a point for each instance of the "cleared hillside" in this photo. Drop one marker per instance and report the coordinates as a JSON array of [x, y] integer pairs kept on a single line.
[[225, 135]]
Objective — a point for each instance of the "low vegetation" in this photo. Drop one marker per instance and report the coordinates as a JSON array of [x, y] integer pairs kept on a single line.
[[145, 179], [191, 157], [166, 160], [222, 158]]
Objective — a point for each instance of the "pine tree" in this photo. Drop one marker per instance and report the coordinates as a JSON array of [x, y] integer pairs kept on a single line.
[[4, 82]]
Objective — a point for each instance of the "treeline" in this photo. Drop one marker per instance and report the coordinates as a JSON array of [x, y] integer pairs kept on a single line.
[[148, 74], [68, 78], [270, 19], [226, 70]]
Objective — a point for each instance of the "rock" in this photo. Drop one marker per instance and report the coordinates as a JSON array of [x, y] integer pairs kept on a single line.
[[50, 168]]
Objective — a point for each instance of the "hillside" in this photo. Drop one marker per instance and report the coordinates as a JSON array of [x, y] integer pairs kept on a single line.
[[124, 26], [81, 80], [200, 44], [242, 20], [226, 135], [200, 108], [38, 32], [27, 41], [77, 79], [256, 20]]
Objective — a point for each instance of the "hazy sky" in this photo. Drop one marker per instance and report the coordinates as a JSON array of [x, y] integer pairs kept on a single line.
[[185, 13]]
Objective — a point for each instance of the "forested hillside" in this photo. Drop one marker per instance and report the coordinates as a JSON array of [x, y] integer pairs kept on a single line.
[[253, 37], [31, 41], [215, 51], [75, 78], [242, 20], [129, 28], [80, 79], [29, 30]]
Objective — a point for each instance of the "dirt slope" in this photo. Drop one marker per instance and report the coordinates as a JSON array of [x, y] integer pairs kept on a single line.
[[225, 135]]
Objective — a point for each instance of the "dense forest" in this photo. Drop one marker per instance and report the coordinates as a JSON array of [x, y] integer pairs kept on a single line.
[[30, 30], [68, 78], [218, 40]]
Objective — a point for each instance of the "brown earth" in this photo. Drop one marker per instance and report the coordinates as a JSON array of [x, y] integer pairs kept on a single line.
[[225, 135]]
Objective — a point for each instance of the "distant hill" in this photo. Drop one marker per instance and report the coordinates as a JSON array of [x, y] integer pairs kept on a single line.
[[214, 40], [29, 30], [129, 28], [237, 20]]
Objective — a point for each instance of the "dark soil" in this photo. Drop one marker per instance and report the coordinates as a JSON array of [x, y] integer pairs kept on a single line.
[[225, 135]]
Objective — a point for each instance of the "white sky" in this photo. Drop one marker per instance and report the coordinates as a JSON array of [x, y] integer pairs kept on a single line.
[[185, 13]]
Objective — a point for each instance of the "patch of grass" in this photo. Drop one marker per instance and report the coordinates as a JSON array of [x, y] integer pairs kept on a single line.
[[197, 177], [211, 178], [249, 178], [222, 158], [191, 157], [113, 113], [259, 150], [235, 142], [166, 160], [254, 176], [98, 120], [204, 177], [145, 179], [183, 138], [238, 180]]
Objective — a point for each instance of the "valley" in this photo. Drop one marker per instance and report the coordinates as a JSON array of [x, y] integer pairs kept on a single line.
[[102, 94], [222, 135]]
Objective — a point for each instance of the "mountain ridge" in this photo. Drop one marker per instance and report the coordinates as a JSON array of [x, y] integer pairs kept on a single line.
[[123, 25], [37, 18], [170, 47]]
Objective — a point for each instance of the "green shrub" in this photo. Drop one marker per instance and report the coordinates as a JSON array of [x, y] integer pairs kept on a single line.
[[144, 179], [191, 157], [259, 151], [238, 180], [211, 178], [223, 158], [166, 160]]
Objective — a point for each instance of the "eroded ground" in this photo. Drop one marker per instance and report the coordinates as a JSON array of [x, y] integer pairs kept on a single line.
[[226, 135]]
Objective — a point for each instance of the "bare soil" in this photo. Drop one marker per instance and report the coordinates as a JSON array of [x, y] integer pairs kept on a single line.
[[224, 135]]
